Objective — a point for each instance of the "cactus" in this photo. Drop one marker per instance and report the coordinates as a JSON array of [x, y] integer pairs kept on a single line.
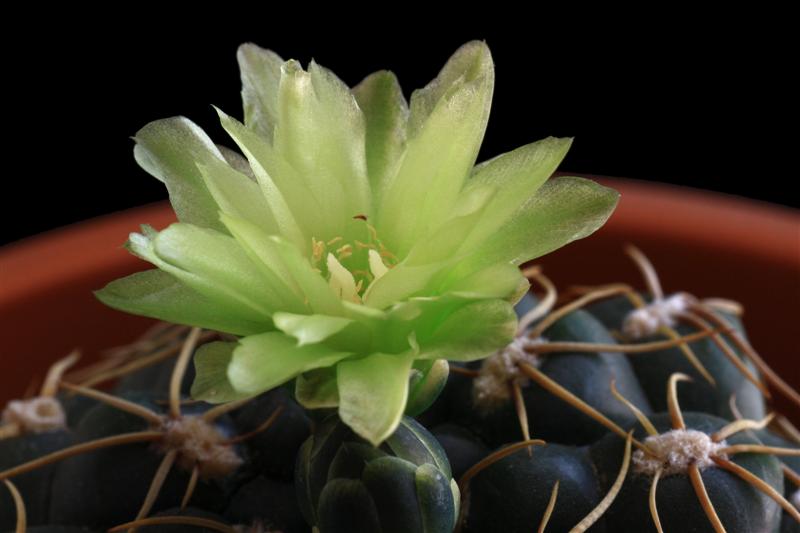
[[346, 288]]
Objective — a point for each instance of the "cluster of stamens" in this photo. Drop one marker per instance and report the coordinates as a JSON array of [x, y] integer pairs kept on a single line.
[[330, 255]]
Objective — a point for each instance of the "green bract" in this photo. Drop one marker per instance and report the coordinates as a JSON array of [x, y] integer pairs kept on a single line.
[[354, 246]]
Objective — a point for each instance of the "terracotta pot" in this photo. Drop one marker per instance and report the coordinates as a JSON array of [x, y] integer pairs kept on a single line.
[[705, 243]]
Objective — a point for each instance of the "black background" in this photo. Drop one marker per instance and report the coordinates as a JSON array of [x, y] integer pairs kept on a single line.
[[669, 97]]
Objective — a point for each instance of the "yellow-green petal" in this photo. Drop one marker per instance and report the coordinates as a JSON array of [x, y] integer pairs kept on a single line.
[[157, 294], [261, 362], [261, 73], [563, 210], [317, 389], [516, 176], [471, 332], [446, 126], [373, 392], [170, 150], [238, 195], [310, 329], [211, 382], [386, 113]]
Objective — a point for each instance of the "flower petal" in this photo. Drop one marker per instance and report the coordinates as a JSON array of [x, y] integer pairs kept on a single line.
[[386, 112], [157, 294], [170, 150], [211, 374], [502, 281], [564, 209], [209, 262], [287, 263], [471, 332], [430, 257], [428, 379], [289, 199], [238, 195], [261, 362], [310, 329], [446, 125], [317, 389], [373, 392], [516, 176], [321, 133], [237, 161], [261, 73]]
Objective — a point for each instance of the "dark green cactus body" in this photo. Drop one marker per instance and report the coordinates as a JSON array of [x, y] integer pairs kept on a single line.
[[269, 502], [790, 490], [587, 375], [272, 452], [33, 486], [107, 486], [740, 506], [183, 528], [346, 485], [462, 447], [512, 494], [654, 368]]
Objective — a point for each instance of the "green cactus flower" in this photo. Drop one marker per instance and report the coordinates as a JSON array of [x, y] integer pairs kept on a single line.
[[353, 246]]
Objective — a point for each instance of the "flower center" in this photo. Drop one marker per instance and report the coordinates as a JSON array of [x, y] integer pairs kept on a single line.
[[351, 267]]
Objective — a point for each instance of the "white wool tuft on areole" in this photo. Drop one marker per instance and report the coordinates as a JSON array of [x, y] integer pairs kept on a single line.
[[675, 451], [490, 389], [659, 313], [36, 415], [200, 443]]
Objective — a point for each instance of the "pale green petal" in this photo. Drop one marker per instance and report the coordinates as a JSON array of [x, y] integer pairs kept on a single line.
[[157, 294], [289, 199], [401, 282], [564, 209], [238, 195], [321, 133], [428, 379], [319, 295], [446, 126], [516, 176], [170, 150], [310, 329], [317, 389], [209, 273], [211, 373], [261, 73], [263, 250], [430, 257], [471, 332], [470, 61], [237, 161], [447, 242], [287, 263], [386, 112], [261, 362], [373, 392], [496, 281]]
